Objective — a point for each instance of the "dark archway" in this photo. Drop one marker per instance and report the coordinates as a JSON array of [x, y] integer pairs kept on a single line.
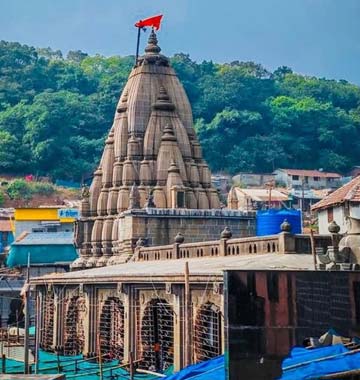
[[47, 331], [16, 315], [111, 329], [74, 328], [157, 335], [207, 332]]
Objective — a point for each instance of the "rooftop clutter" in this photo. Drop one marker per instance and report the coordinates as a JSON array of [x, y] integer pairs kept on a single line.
[[151, 157]]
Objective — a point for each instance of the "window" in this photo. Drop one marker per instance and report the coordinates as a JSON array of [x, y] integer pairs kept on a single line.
[[295, 177], [180, 199], [316, 178], [330, 214]]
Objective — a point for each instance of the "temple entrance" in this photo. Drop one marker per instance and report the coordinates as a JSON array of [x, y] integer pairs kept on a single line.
[[157, 336], [111, 329], [207, 332], [74, 327]]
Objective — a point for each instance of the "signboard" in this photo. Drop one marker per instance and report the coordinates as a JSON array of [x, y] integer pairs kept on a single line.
[[68, 213]]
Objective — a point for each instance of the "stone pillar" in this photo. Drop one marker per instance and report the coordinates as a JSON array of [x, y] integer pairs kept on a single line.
[[225, 235], [286, 238], [178, 327], [286, 243]]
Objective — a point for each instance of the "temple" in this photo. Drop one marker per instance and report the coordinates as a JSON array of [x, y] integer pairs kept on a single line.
[[152, 181], [154, 241]]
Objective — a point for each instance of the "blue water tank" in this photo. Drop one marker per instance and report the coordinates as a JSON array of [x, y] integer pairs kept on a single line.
[[268, 222]]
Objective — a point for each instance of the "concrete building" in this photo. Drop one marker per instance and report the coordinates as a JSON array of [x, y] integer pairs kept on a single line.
[[339, 206], [44, 219], [307, 179], [6, 229], [253, 179]]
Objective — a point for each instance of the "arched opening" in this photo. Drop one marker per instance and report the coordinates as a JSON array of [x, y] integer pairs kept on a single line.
[[47, 331], [111, 329], [157, 336], [74, 328], [207, 329], [16, 315]]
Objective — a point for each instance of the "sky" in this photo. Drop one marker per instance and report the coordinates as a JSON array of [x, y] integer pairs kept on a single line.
[[313, 37]]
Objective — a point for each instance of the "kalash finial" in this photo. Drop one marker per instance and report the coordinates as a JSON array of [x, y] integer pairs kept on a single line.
[[152, 47]]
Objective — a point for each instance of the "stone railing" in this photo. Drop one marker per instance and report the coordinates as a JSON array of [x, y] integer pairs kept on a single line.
[[283, 243]]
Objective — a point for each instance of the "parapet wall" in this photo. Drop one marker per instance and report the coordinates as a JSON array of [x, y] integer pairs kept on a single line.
[[283, 243]]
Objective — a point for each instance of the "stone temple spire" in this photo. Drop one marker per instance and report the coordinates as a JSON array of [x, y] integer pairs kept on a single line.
[[151, 147], [152, 47]]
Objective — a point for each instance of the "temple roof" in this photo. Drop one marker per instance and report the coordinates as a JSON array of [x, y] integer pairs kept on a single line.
[[148, 271]]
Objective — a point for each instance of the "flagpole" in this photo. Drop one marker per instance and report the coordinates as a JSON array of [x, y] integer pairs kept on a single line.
[[137, 46], [27, 315]]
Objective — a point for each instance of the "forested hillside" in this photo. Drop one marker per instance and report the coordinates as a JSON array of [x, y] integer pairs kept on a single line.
[[55, 112]]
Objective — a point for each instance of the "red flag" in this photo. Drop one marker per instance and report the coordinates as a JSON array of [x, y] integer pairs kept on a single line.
[[151, 21]]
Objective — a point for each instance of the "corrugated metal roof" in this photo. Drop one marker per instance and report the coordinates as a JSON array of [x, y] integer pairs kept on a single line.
[[348, 192], [47, 238]]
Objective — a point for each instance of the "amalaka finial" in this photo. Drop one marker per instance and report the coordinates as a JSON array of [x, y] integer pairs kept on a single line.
[[168, 134], [152, 47], [163, 101], [173, 168]]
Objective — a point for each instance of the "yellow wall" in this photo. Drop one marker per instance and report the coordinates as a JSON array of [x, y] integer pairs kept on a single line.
[[40, 214]]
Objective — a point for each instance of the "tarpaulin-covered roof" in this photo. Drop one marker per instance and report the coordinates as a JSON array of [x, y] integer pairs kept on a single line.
[[213, 369], [305, 364], [44, 248]]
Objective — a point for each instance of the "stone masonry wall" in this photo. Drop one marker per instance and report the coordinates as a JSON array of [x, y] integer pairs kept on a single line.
[[162, 229]]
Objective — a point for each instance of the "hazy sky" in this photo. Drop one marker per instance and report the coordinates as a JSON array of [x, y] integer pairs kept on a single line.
[[315, 37]]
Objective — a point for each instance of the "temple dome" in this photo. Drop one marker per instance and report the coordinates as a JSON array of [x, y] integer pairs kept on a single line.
[[151, 147]]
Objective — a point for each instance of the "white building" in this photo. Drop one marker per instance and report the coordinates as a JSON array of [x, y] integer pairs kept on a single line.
[[308, 179], [338, 205]]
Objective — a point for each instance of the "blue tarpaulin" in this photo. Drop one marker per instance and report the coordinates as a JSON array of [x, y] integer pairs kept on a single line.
[[213, 369], [76, 368], [305, 364]]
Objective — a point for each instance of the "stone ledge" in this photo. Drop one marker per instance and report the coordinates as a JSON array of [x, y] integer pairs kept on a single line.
[[190, 213]]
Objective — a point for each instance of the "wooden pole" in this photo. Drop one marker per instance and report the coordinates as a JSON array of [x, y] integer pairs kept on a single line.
[[37, 331], [27, 318], [137, 46], [131, 365], [312, 242], [187, 316], [99, 355]]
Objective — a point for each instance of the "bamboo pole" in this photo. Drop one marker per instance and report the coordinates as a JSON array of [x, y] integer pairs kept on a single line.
[[321, 359], [312, 243], [99, 354], [27, 317], [187, 316]]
